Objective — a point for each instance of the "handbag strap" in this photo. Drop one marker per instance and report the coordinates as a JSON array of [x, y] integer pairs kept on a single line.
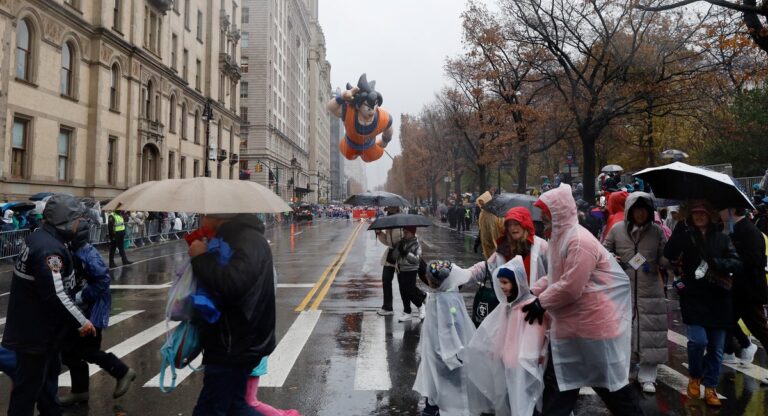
[[487, 273]]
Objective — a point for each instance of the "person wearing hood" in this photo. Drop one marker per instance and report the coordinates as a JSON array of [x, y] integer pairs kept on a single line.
[[638, 243], [489, 225], [705, 300], [615, 207], [588, 297], [42, 310], [506, 357], [445, 334], [243, 289]]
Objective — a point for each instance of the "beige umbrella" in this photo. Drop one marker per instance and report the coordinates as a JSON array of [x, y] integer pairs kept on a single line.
[[199, 195]]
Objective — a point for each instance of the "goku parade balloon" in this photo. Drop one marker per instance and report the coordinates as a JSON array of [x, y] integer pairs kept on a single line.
[[359, 109]]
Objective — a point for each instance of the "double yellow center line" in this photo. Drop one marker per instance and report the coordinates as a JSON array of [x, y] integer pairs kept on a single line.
[[329, 274]]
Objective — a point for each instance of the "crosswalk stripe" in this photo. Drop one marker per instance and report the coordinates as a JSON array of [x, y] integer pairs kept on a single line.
[[284, 357], [372, 367], [677, 381], [181, 375], [751, 370], [126, 347], [138, 287], [122, 316]]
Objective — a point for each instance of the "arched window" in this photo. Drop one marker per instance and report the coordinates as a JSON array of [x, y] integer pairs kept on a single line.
[[172, 115], [67, 69], [197, 127], [184, 116], [148, 102], [23, 51], [114, 88]]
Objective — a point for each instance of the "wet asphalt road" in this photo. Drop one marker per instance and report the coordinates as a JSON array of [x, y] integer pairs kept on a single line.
[[335, 356]]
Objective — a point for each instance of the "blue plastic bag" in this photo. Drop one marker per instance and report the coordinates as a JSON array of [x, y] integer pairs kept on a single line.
[[180, 349]]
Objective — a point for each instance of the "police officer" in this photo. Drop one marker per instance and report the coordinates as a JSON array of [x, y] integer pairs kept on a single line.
[[41, 309], [116, 228]]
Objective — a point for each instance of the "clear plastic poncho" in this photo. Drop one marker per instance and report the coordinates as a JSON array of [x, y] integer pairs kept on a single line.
[[506, 358], [445, 333]]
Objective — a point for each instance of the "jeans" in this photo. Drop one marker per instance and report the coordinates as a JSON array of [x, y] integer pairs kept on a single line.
[[36, 382], [80, 351], [705, 366], [223, 392], [387, 275]]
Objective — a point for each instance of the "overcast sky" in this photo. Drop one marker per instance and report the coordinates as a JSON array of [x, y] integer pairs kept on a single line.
[[402, 44]]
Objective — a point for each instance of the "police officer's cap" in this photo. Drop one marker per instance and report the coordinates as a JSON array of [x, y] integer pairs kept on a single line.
[[61, 210]]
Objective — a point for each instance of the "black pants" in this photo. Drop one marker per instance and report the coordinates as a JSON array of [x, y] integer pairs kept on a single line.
[[117, 242], [387, 275], [409, 293], [36, 382], [622, 402], [459, 224], [467, 223], [79, 351], [754, 319]]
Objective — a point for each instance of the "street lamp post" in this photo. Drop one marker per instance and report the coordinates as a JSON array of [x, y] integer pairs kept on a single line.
[[208, 115]]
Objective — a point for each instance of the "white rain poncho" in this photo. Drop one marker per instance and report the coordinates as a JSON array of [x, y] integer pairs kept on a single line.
[[506, 358], [587, 295], [445, 333]]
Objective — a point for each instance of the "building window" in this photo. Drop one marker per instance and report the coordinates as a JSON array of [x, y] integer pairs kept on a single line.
[[245, 15], [200, 25], [111, 158], [63, 161], [182, 167], [195, 168], [73, 3], [184, 121], [185, 65], [233, 97], [172, 115], [23, 51], [243, 89], [114, 89], [116, 16], [171, 165], [67, 67], [174, 48], [148, 101], [244, 114], [196, 137], [221, 88], [244, 64], [244, 39], [218, 170], [198, 73], [186, 14], [19, 147]]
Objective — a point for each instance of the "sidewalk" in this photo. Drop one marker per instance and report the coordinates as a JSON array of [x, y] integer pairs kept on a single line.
[[472, 232]]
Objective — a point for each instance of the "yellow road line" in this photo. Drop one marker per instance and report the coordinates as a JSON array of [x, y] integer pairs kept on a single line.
[[332, 277], [319, 283]]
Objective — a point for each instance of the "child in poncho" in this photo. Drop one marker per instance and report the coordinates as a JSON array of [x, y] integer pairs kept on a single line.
[[446, 331], [506, 358]]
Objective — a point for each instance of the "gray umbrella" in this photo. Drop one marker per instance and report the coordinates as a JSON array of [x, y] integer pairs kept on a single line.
[[500, 204], [612, 169], [400, 221], [378, 199], [674, 154]]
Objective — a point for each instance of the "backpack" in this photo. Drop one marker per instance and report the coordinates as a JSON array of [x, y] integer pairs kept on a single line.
[[179, 350]]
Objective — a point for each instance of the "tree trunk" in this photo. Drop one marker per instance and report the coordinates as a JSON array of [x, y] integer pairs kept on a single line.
[[482, 172], [433, 195], [588, 141], [649, 140], [522, 169], [457, 182]]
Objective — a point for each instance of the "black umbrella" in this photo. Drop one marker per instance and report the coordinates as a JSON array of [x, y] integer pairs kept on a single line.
[[501, 203], [40, 196], [400, 221], [679, 180], [377, 199]]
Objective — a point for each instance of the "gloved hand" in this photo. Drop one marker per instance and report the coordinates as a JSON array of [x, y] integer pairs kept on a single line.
[[534, 311]]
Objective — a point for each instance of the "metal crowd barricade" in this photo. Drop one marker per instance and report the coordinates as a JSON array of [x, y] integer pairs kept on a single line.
[[11, 242]]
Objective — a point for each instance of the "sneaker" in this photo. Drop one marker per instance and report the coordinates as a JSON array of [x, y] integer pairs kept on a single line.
[[694, 388], [649, 387], [385, 312], [748, 354], [710, 396], [73, 399], [423, 312], [730, 359], [124, 383], [404, 317]]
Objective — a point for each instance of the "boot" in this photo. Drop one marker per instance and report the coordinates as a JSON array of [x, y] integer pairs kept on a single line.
[[710, 396], [694, 388], [124, 383], [73, 399]]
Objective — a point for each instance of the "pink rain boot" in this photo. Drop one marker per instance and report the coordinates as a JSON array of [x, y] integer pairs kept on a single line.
[[251, 396]]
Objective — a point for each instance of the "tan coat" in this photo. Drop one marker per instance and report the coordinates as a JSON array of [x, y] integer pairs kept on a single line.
[[389, 238], [491, 227], [649, 306]]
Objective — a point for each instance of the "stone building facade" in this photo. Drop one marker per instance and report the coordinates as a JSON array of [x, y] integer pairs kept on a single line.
[[98, 96]]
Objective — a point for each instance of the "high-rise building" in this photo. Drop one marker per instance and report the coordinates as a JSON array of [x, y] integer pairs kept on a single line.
[[338, 181], [102, 95], [356, 178], [320, 119]]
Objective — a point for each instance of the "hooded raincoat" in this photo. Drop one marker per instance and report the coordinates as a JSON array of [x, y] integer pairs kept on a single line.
[[615, 207], [445, 334], [649, 306], [506, 358], [587, 295]]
